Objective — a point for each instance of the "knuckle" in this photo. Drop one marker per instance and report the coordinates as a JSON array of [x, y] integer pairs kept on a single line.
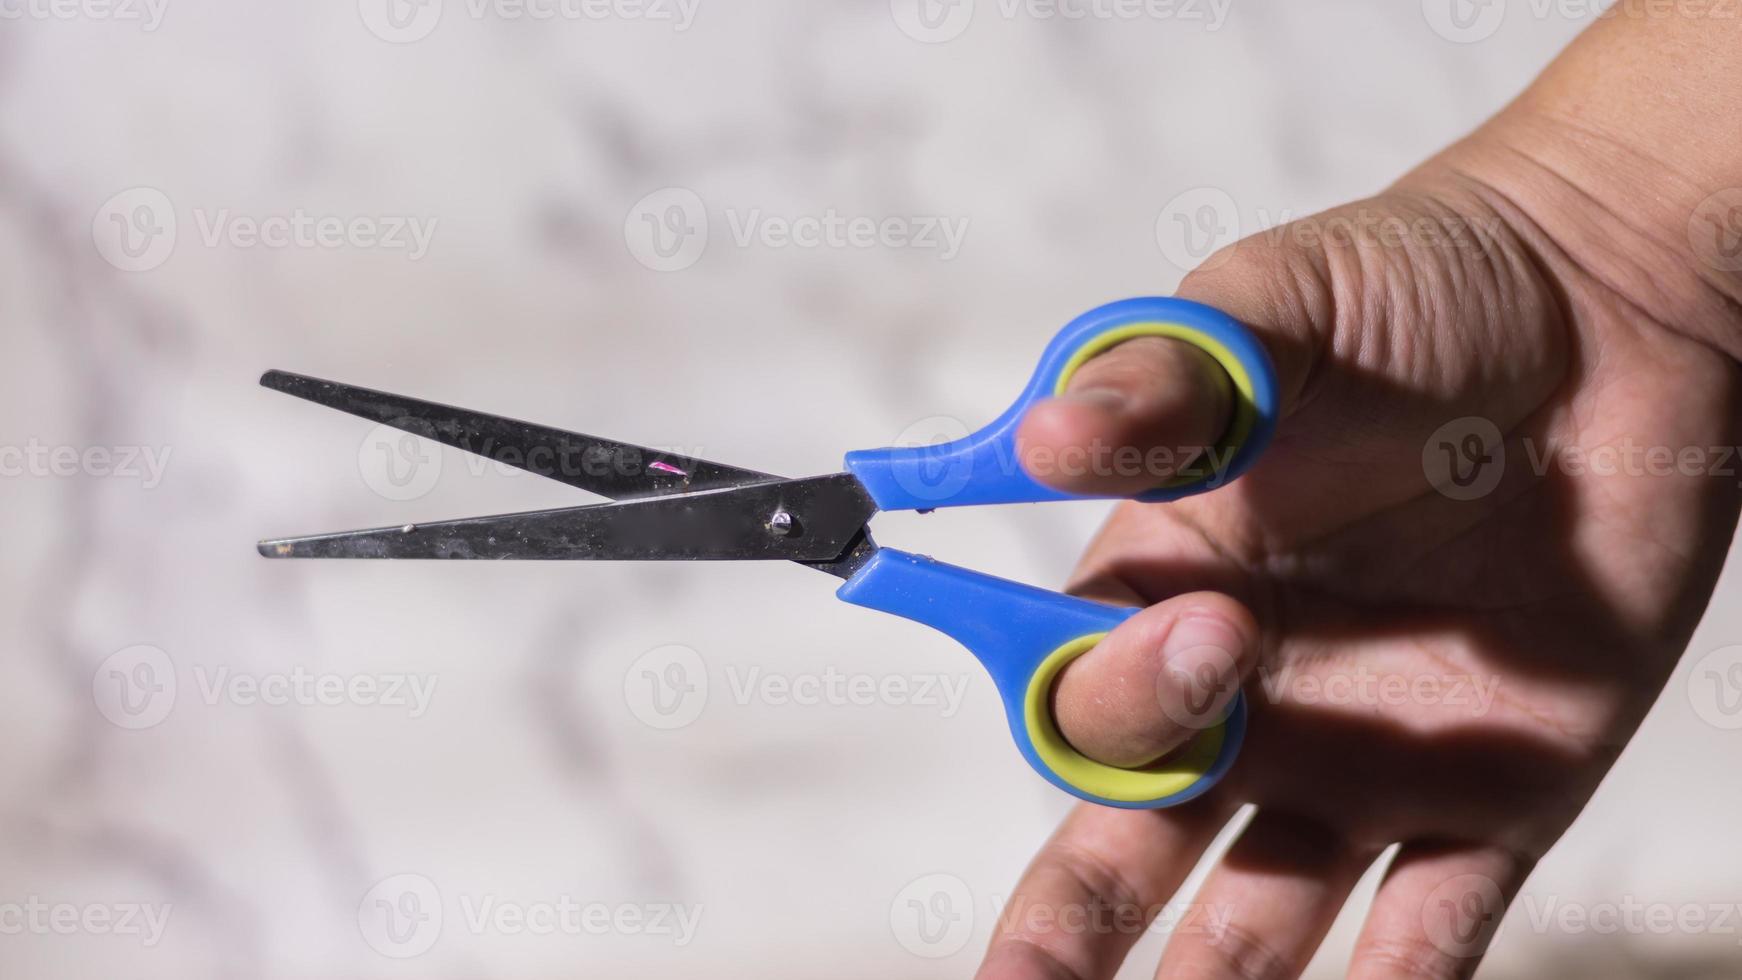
[[1131, 363], [1049, 961], [1100, 882], [1408, 959], [1240, 953]]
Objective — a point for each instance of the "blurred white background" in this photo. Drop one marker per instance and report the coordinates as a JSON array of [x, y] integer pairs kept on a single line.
[[143, 143]]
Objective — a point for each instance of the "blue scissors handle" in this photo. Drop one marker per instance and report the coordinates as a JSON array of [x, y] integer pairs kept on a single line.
[[983, 468], [1024, 635]]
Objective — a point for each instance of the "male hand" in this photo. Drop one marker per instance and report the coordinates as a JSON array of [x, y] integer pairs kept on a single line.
[[1449, 665]]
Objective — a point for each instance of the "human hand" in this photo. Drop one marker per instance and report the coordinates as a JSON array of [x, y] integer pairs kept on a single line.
[[1449, 666]]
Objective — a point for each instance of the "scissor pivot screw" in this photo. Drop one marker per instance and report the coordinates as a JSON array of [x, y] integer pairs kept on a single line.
[[781, 524]]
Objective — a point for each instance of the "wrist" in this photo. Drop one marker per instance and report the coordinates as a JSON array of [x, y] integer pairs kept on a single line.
[[1605, 215], [1624, 161]]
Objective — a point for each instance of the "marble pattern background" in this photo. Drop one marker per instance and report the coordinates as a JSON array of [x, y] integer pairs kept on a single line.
[[531, 778]]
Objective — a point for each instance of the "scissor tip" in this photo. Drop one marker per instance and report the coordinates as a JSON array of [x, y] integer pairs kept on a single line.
[[276, 549]]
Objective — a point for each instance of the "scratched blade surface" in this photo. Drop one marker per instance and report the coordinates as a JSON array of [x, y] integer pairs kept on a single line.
[[825, 518], [617, 470]]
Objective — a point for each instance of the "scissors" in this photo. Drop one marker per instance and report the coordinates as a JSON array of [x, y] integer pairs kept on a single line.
[[673, 507]]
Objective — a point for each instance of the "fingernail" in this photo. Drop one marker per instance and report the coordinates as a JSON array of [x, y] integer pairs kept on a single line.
[[1200, 676], [1111, 399]]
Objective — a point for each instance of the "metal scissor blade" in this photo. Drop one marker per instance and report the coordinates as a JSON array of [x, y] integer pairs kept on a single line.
[[617, 470], [810, 520]]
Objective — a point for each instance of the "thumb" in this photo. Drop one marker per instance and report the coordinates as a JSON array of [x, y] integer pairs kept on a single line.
[[1129, 420], [1138, 414], [1161, 677]]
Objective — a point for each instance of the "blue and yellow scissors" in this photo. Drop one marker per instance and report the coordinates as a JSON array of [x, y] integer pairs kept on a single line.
[[672, 507]]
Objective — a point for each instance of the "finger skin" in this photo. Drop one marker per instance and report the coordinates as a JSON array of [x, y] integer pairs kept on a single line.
[[1162, 676], [1093, 889], [1130, 419], [1436, 911], [1265, 908]]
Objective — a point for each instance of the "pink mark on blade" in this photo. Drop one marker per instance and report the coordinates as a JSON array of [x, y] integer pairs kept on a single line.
[[666, 468]]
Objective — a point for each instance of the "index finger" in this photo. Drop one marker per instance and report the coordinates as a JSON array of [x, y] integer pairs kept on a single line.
[[1094, 889]]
